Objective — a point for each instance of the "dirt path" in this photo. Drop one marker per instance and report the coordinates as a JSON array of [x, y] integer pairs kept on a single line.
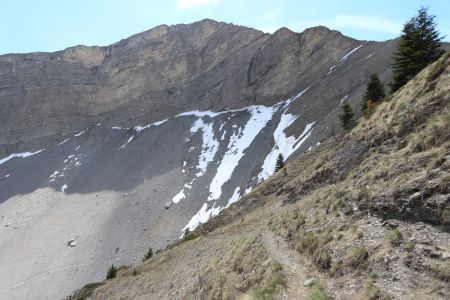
[[295, 272]]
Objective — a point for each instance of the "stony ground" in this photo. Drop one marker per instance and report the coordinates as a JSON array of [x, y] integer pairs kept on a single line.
[[363, 216]]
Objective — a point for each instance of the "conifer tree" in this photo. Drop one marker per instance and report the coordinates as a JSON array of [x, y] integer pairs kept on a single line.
[[112, 272], [418, 46], [374, 91], [346, 115], [148, 255], [280, 163]]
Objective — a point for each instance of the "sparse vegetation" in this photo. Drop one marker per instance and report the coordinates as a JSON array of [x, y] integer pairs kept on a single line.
[[359, 257], [148, 255], [317, 291], [86, 291], [442, 270], [395, 237], [409, 246], [280, 163], [373, 292], [335, 246], [346, 116], [274, 281], [112, 272]]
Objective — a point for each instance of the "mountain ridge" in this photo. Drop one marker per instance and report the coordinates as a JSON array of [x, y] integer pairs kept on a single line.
[[86, 63]]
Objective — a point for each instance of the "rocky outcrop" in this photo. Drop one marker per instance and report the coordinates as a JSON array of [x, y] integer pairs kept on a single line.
[[168, 69]]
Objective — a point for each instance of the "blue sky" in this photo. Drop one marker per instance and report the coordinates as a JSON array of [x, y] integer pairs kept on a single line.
[[50, 25]]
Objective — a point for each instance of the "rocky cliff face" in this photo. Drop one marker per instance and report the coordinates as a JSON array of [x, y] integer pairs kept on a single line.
[[124, 147], [166, 70]]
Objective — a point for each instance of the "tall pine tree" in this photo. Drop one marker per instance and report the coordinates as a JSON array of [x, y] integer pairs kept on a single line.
[[280, 163], [374, 91], [418, 46]]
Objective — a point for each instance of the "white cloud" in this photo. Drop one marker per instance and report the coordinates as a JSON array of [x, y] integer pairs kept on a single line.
[[188, 4]]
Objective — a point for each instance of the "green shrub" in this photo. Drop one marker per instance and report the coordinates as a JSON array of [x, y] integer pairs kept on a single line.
[[359, 257], [112, 272], [443, 271], [395, 237], [373, 292], [409, 246], [148, 255], [317, 291]]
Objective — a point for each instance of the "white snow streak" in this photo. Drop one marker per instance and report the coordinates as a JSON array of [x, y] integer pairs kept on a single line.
[[80, 133], [283, 144], [63, 142], [138, 129], [178, 197], [344, 58], [209, 147], [234, 197], [203, 215], [239, 141], [22, 155], [63, 188]]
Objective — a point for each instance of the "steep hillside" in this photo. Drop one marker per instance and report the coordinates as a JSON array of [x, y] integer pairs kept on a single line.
[[363, 216], [123, 147]]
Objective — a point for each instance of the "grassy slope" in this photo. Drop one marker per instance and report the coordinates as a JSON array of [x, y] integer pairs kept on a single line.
[[315, 230]]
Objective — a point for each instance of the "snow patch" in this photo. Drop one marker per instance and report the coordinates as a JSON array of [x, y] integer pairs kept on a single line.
[[63, 188], [178, 197], [283, 144], [344, 58], [138, 129], [248, 190], [292, 99], [238, 142], [80, 133], [202, 216], [234, 197], [63, 142], [21, 155], [209, 147]]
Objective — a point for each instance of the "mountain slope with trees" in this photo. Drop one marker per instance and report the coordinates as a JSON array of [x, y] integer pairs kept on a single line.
[[363, 217]]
